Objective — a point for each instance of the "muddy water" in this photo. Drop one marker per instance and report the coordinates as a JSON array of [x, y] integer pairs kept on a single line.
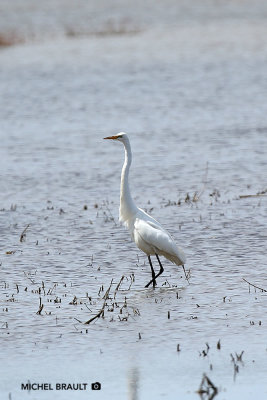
[[192, 97]]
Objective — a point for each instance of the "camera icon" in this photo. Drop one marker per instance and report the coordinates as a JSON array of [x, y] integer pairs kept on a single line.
[[96, 386]]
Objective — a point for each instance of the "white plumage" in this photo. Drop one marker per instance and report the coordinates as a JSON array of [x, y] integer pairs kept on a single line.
[[152, 239], [146, 232]]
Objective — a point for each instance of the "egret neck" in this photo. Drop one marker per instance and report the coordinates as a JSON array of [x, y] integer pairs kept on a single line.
[[127, 207]]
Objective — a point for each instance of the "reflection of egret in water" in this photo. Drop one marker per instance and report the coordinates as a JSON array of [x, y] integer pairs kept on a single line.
[[133, 381]]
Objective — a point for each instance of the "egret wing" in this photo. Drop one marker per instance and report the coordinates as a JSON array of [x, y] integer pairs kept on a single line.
[[155, 236]]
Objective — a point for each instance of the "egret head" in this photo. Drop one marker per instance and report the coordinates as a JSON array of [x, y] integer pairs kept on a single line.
[[121, 137]]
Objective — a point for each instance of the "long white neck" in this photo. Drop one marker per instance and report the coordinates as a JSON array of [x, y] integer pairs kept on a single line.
[[127, 206]]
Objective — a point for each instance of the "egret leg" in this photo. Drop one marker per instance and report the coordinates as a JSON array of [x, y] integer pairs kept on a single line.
[[161, 267], [153, 273], [158, 274]]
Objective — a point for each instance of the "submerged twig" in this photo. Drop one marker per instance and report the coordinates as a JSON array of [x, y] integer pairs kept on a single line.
[[245, 196], [51, 289], [132, 280], [27, 276], [186, 274], [255, 286], [101, 312], [118, 286], [197, 196], [41, 306], [235, 360], [207, 388], [23, 235]]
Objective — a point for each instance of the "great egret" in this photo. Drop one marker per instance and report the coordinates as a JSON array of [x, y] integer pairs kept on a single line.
[[146, 232]]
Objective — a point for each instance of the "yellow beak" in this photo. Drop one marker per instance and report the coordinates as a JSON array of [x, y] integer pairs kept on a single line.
[[111, 137]]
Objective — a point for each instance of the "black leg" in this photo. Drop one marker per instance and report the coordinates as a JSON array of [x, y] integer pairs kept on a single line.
[[161, 267], [153, 274], [158, 274]]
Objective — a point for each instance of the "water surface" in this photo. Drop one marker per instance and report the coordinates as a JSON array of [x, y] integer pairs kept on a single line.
[[189, 86]]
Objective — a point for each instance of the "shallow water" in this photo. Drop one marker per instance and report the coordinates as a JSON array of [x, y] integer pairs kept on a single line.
[[192, 97]]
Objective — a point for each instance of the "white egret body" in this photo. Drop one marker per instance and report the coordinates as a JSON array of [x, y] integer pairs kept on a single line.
[[146, 232]]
